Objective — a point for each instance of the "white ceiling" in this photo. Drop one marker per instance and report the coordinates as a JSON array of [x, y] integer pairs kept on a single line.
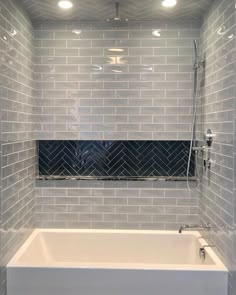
[[99, 10]]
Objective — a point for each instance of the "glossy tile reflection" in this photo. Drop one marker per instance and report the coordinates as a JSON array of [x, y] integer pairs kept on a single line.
[[114, 80]]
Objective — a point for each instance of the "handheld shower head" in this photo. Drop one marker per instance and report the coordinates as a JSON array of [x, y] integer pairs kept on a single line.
[[196, 63], [117, 21]]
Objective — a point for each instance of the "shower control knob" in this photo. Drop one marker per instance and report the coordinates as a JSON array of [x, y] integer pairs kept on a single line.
[[209, 136], [209, 163], [202, 253]]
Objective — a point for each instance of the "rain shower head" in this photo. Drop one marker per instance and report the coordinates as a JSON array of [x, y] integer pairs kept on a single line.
[[117, 21]]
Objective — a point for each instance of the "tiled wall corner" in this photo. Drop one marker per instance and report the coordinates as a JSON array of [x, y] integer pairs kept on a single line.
[[233, 272], [97, 82], [18, 158], [2, 279], [217, 199]]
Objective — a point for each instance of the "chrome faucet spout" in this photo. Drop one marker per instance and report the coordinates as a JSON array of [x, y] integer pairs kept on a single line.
[[182, 228], [195, 226]]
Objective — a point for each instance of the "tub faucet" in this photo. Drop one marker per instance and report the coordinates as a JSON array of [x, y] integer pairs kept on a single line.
[[195, 226]]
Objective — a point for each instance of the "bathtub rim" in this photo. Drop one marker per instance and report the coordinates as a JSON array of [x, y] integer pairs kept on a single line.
[[217, 266]]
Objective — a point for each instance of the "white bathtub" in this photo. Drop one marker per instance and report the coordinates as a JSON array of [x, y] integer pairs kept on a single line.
[[108, 262]]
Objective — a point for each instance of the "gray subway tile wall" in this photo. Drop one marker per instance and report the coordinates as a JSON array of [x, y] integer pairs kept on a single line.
[[100, 83], [94, 81], [128, 94], [2, 269], [18, 157], [233, 268], [217, 196], [118, 205], [80, 89]]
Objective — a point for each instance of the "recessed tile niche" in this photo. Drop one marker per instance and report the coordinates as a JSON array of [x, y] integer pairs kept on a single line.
[[114, 158]]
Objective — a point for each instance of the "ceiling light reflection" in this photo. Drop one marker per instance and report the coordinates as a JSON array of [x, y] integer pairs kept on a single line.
[[116, 49], [117, 71], [97, 68], [77, 32], [221, 30], [13, 32], [116, 60], [156, 33]]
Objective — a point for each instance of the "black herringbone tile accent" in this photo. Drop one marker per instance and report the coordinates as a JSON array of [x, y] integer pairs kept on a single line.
[[114, 158]]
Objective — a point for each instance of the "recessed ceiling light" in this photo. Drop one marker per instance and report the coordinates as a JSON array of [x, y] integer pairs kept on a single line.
[[169, 3], [65, 4]]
